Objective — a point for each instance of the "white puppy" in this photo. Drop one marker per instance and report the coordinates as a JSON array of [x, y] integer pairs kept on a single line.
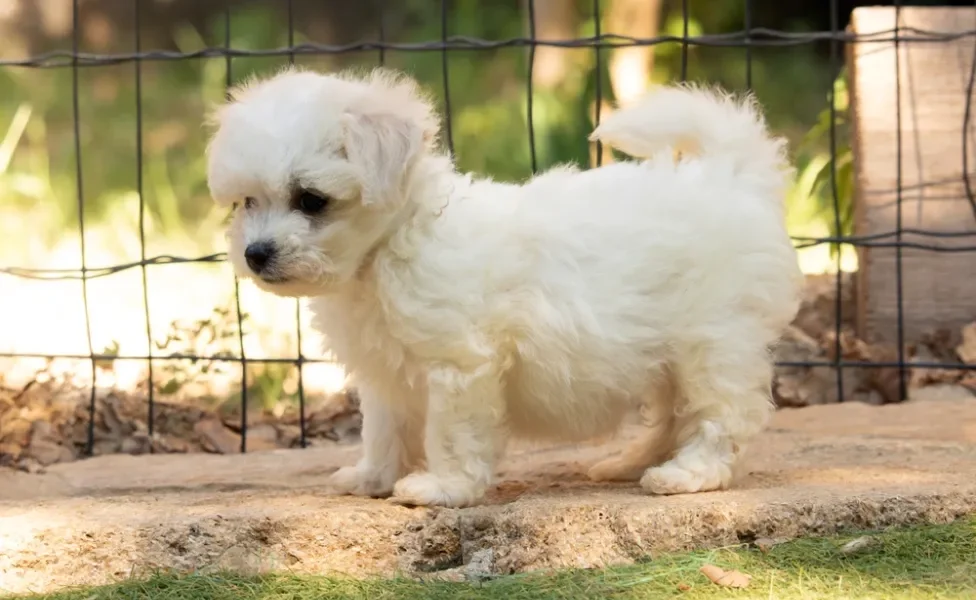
[[466, 311]]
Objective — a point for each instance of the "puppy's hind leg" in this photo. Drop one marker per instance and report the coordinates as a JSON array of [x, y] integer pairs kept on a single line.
[[654, 442], [724, 403]]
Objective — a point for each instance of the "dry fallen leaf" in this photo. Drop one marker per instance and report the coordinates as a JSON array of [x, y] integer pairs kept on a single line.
[[967, 349], [683, 587], [969, 382], [858, 544], [732, 579], [766, 544]]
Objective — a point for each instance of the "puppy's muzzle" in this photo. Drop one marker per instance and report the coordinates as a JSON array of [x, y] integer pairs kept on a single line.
[[259, 255]]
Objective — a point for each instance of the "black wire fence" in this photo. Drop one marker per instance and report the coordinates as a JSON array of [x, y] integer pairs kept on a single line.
[[747, 39]]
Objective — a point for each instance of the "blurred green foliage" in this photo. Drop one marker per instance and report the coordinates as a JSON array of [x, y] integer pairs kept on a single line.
[[824, 189], [488, 98]]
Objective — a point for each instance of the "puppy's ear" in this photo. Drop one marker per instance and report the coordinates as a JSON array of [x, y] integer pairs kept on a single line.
[[383, 146], [386, 131]]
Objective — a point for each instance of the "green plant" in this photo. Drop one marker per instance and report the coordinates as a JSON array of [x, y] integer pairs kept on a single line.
[[826, 181], [271, 387], [205, 337], [110, 350]]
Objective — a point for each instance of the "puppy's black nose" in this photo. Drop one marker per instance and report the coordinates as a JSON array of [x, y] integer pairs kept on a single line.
[[258, 255]]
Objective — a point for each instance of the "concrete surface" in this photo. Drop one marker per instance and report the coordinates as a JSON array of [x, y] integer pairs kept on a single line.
[[816, 470]]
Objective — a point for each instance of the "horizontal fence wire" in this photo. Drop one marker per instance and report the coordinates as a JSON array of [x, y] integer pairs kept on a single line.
[[757, 36], [98, 357], [876, 240], [748, 38]]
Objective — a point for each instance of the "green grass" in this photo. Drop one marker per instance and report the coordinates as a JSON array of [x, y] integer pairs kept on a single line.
[[915, 563]]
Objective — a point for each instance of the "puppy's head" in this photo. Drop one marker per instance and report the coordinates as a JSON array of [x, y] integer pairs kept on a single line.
[[316, 168]]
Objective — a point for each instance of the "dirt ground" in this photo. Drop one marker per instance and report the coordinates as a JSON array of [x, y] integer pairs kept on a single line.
[[816, 470]]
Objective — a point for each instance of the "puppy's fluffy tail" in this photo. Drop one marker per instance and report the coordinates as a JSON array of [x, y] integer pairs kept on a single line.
[[697, 120]]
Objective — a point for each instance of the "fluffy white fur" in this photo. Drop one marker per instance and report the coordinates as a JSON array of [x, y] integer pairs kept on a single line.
[[467, 311]]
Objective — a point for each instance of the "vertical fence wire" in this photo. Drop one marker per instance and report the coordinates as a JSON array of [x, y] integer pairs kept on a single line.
[[835, 200], [529, 89], [748, 42], [382, 32], [228, 82], [899, 201], [80, 191], [446, 80], [684, 40], [966, 124], [599, 82], [300, 361], [290, 15], [150, 383]]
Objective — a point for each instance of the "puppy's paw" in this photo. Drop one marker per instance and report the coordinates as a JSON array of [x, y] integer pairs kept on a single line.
[[615, 469], [358, 481], [672, 478], [427, 489]]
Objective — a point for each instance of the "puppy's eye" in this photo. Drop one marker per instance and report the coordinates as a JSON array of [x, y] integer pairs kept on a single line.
[[249, 202], [311, 203]]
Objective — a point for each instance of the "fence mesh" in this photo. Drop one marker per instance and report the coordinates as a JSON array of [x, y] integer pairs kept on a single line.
[[748, 38]]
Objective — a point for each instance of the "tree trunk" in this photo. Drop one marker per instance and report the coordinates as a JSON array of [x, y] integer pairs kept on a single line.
[[554, 20], [631, 67]]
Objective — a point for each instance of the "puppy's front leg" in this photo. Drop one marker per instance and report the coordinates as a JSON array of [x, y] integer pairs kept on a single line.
[[463, 440], [392, 447]]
